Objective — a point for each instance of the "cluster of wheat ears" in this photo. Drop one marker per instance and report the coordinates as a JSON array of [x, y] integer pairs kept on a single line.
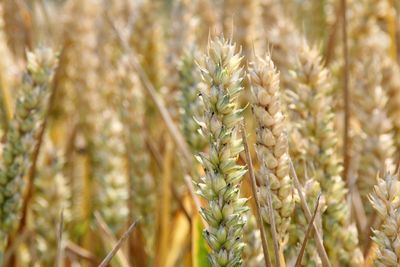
[[199, 133]]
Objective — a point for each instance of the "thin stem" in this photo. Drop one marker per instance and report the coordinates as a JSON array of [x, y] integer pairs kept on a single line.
[[332, 37], [117, 246], [307, 236], [374, 218], [110, 240], [29, 191], [391, 28], [254, 190], [59, 239], [358, 206], [13, 247], [318, 239], [346, 94], [81, 253]]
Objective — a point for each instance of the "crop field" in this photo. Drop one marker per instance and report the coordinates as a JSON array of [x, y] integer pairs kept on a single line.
[[199, 133]]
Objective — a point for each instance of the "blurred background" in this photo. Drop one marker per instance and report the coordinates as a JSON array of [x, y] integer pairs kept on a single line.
[[114, 137]]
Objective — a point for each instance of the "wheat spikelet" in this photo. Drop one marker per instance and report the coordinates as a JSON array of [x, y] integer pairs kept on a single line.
[[147, 40], [109, 180], [391, 85], [80, 88], [80, 49], [314, 146], [272, 144], [375, 142], [299, 222], [21, 140], [52, 196], [128, 73], [190, 103], [146, 37], [252, 252], [80, 46], [141, 202], [386, 201], [371, 140], [220, 186], [182, 35], [184, 23]]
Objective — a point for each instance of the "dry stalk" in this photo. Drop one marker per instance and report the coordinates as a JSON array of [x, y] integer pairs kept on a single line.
[[110, 239], [255, 195], [346, 94], [309, 228], [118, 245], [60, 230], [306, 209], [81, 253]]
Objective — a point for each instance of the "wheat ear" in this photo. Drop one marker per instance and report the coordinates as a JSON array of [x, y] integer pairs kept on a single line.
[[225, 212]]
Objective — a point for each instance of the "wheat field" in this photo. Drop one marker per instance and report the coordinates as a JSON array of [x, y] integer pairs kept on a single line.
[[198, 133]]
